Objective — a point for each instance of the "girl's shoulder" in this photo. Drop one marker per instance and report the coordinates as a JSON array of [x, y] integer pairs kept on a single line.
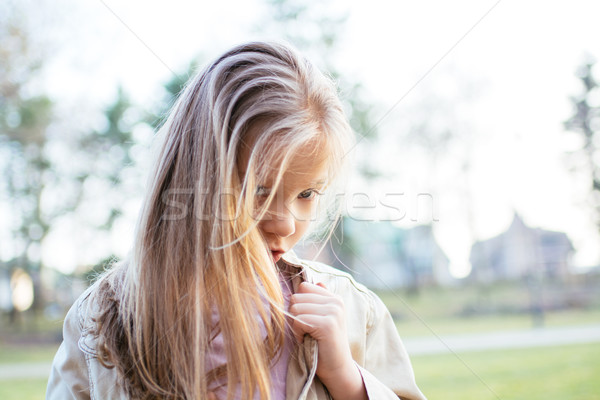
[[76, 370], [98, 299]]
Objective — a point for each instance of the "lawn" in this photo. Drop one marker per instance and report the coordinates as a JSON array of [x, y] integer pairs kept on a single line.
[[23, 389], [566, 372], [29, 353]]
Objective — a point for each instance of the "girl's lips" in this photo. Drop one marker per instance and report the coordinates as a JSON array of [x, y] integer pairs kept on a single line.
[[276, 255]]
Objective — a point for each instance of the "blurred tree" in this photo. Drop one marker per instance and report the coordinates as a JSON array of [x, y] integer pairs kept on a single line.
[[586, 122], [24, 120], [33, 175], [91, 275], [109, 153], [157, 112]]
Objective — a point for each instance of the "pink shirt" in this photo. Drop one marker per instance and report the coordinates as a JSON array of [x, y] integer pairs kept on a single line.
[[217, 356]]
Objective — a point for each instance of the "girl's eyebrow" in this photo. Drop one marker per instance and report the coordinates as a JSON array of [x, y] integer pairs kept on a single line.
[[319, 182]]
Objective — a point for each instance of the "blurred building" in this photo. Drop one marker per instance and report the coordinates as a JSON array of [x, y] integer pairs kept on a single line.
[[382, 255], [520, 252]]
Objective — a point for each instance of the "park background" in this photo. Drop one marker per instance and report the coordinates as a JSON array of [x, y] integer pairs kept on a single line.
[[472, 207]]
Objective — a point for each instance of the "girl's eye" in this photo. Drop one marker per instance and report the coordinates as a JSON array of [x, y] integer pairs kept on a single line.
[[262, 191], [308, 194]]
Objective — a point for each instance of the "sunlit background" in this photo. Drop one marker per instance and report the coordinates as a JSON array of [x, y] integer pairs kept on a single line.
[[472, 207]]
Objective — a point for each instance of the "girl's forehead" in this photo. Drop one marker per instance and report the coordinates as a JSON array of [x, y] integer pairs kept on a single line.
[[306, 170], [307, 166]]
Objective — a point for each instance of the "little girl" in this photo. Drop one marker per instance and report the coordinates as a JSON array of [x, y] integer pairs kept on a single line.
[[212, 303]]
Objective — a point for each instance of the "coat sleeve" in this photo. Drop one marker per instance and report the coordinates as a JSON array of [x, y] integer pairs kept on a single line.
[[69, 377], [387, 372]]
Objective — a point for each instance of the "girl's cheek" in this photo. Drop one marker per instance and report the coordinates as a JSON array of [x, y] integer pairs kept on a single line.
[[259, 208], [309, 212], [305, 211]]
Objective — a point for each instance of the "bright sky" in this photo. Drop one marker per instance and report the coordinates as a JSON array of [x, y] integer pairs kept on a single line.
[[503, 81]]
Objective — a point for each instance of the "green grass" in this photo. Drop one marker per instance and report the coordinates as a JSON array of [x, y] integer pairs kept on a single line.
[[566, 372], [23, 354], [23, 389]]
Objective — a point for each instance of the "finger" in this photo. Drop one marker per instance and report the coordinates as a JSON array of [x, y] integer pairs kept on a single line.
[[310, 298], [298, 335], [299, 309], [212, 396], [300, 329], [307, 287], [317, 326]]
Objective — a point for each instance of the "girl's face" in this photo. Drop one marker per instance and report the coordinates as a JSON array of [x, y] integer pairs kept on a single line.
[[294, 204]]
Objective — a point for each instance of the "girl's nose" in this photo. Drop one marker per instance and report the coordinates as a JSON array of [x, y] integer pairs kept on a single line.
[[281, 223]]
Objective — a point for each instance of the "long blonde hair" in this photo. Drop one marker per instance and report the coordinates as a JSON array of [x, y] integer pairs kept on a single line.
[[197, 246]]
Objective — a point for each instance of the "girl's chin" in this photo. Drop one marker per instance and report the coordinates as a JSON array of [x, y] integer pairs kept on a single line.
[[276, 255]]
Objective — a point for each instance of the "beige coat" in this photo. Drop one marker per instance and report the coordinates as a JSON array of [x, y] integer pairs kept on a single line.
[[374, 343]]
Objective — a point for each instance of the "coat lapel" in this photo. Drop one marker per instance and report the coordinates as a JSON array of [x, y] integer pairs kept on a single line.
[[303, 363]]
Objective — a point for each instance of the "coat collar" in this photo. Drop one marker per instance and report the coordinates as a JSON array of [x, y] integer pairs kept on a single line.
[[300, 269], [292, 259]]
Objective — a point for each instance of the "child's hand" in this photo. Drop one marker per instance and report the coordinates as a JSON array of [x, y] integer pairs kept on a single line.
[[321, 315]]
